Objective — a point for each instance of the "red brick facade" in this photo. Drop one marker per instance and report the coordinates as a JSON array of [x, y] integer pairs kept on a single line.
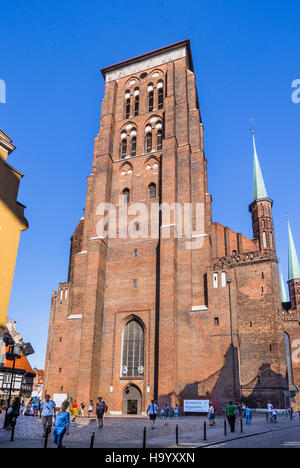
[[181, 296]]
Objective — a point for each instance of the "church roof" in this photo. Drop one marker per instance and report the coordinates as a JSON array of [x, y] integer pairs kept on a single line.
[[284, 297], [294, 268], [259, 189]]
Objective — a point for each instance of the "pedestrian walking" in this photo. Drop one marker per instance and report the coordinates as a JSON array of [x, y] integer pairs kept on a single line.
[[91, 408], [211, 415], [22, 407], [82, 408], [176, 412], [215, 412], [152, 411], [270, 408], [14, 413], [101, 409], [274, 416], [61, 426], [248, 412], [231, 415], [74, 410], [47, 411]]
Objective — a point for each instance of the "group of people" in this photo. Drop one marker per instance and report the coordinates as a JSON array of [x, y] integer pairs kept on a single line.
[[166, 413]]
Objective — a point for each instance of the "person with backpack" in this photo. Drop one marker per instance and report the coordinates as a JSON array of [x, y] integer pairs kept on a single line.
[[176, 412], [152, 411], [101, 408]]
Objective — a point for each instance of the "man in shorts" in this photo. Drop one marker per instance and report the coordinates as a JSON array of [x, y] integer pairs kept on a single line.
[[101, 408], [47, 411], [152, 411]]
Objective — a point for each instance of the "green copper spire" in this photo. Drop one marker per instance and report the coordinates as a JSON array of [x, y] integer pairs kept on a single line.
[[259, 184], [294, 268], [284, 297]]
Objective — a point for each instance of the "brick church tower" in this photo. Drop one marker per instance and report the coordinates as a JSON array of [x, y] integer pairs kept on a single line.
[[145, 315]]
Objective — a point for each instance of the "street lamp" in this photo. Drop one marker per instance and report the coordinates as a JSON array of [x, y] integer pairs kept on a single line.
[[232, 343], [13, 354]]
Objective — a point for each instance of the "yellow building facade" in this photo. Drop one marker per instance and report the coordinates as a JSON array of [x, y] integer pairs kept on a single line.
[[12, 223]]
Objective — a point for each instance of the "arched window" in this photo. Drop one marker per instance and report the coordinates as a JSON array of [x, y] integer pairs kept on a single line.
[[136, 102], [215, 280], [148, 143], [133, 350], [265, 240], [159, 140], [126, 196], [123, 148], [160, 95], [150, 98], [271, 240], [133, 146], [127, 106], [223, 279], [152, 191]]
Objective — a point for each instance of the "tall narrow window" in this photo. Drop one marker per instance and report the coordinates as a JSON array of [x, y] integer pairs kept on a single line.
[[160, 95], [150, 98], [152, 191], [271, 240], [133, 146], [127, 109], [159, 140], [223, 279], [126, 196], [215, 280], [123, 148], [264, 240], [148, 143], [136, 103], [133, 349]]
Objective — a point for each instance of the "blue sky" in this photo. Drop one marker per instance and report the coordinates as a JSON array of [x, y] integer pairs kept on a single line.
[[246, 55]]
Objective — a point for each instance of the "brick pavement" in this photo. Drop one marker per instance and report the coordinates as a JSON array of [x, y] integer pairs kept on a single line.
[[128, 432]]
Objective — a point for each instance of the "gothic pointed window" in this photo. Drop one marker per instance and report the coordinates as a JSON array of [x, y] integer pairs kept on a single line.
[[152, 191], [123, 148], [126, 196], [133, 350], [136, 102], [160, 95], [148, 143], [127, 105], [150, 98], [133, 146], [264, 236], [159, 140]]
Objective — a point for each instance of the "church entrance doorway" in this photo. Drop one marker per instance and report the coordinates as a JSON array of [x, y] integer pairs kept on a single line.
[[132, 400]]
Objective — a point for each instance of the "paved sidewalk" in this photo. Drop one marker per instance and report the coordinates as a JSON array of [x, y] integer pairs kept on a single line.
[[128, 432]]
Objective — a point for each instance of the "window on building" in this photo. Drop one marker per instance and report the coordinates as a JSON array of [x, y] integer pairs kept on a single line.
[[133, 146], [264, 240], [127, 108], [223, 279], [136, 105], [160, 95], [217, 321], [123, 148], [135, 253], [133, 348], [148, 143], [137, 226], [126, 196], [159, 140], [152, 191], [215, 280], [135, 283], [60, 370], [271, 240], [150, 98]]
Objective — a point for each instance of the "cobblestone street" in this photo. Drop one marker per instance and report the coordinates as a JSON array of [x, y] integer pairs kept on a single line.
[[128, 432]]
